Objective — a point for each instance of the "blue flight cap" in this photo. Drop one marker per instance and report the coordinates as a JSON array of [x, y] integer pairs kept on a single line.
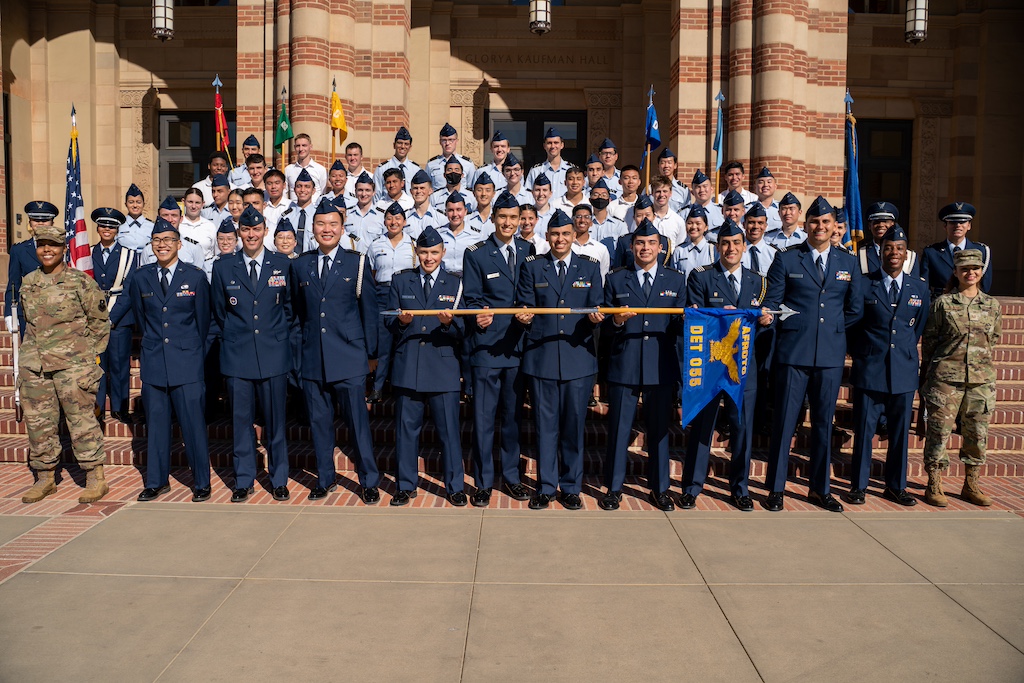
[[395, 210], [883, 211], [303, 177], [895, 234], [552, 132], [161, 225], [227, 226], [819, 207], [106, 216], [790, 198], [429, 238], [957, 211], [170, 204], [511, 160], [559, 219], [448, 130], [765, 173], [732, 198], [284, 225], [699, 178], [666, 153], [600, 185], [594, 159], [483, 179], [453, 160], [499, 137], [420, 177], [840, 215], [337, 165], [729, 229], [133, 191], [325, 206], [364, 179], [607, 144], [697, 211], [251, 141], [644, 201], [220, 180], [645, 229], [341, 202], [756, 210], [250, 217], [455, 198], [42, 211], [505, 200], [403, 134], [541, 179]]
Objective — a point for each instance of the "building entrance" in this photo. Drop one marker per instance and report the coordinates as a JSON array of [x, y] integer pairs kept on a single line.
[[525, 132]]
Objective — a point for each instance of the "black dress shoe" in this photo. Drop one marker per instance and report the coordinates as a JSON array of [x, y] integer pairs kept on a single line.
[[241, 495], [774, 502], [319, 492], [123, 418], [570, 501], [687, 501], [481, 499], [742, 503], [370, 496], [375, 397], [516, 491], [882, 428], [466, 399], [402, 498], [592, 403], [827, 502], [201, 495], [540, 501], [458, 499], [611, 500], [280, 493], [151, 494], [855, 497], [662, 501], [900, 497]]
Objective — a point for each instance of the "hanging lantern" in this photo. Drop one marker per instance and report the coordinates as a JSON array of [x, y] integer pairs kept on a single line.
[[917, 21], [540, 16], [163, 19]]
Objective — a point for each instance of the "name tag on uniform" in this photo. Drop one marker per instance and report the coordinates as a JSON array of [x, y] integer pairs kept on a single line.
[[581, 284], [303, 283], [446, 298], [232, 286], [276, 281], [146, 294], [622, 296], [491, 276], [843, 275], [408, 296], [540, 285], [716, 300], [796, 275]]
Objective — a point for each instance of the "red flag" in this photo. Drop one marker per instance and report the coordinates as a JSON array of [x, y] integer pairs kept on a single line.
[[79, 255], [222, 123]]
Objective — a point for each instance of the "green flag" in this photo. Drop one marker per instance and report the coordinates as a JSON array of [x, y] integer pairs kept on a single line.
[[284, 128]]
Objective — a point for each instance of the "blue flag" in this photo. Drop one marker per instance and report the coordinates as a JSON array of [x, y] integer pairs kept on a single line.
[[718, 347], [854, 215], [652, 134], [718, 142]]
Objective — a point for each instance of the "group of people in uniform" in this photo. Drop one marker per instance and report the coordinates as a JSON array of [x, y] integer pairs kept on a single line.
[[334, 284]]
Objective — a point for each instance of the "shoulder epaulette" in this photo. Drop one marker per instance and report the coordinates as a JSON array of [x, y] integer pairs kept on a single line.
[[588, 258], [531, 258], [617, 269], [474, 247], [780, 248], [462, 157], [700, 269], [287, 211], [672, 270], [354, 238], [434, 158], [192, 266], [406, 270], [352, 251]]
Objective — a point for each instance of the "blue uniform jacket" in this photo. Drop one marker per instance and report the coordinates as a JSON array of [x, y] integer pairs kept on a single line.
[[560, 347], [488, 282], [644, 347], [885, 357], [23, 260], [937, 264], [867, 247], [622, 256], [708, 287], [817, 336], [255, 322], [339, 331], [105, 275], [426, 355], [174, 326]]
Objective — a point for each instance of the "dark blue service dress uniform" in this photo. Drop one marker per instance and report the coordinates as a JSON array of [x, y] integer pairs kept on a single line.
[[116, 360], [810, 350], [425, 371], [495, 355], [645, 362], [709, 287], [560, 358], [338, 314], [255, 317], [22, 261], [937, 265], [885, 373], [174, 326]]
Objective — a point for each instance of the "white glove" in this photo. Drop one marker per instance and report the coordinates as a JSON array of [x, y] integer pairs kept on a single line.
[[9, 322]]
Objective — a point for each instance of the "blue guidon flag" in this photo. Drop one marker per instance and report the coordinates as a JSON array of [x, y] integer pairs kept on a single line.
[[718, 347]]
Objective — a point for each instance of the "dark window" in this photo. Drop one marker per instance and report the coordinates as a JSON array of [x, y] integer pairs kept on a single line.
[[203, 3], [186, 140], [886, 148], [877, 6], [525, 132]]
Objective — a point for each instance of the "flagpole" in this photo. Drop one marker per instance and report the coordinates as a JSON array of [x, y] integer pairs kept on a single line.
[[334, 138], [647, 163], [720, 97], [219, 114]]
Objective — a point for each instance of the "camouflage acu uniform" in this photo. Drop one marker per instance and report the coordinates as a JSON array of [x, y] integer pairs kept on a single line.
[[67, 327], [959, 376]]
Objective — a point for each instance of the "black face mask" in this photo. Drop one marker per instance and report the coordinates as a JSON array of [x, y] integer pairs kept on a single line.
[[453, 178], [600, 203]]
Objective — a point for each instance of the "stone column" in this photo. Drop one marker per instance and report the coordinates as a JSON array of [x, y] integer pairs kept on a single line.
[[740, 84], [688, 86], [138, 109], [924, 225], [251, 77], [309, 95]]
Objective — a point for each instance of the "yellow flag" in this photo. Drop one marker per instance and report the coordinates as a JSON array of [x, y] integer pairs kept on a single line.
[[338, 117]]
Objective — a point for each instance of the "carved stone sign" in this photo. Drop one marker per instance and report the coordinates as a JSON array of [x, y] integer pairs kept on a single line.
[[502, 58]]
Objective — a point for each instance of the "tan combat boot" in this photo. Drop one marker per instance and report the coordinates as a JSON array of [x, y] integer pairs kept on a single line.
[[934, 495], [971, 491], [95, 486], [43, 487]]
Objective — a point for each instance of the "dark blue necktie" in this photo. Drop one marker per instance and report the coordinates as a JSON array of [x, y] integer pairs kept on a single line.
[[647, 285], [894, 293], [426, 288]]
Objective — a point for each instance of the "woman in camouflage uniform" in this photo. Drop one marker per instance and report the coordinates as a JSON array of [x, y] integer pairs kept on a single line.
[[958, 376], [67, 328]]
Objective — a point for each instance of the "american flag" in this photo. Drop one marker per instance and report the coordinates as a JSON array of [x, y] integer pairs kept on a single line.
[[79, 255]]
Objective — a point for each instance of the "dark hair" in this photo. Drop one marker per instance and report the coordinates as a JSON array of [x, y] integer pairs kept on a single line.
[[194, 190], [219, 155], [629, 167], [256, 158], [391, 172], [731, 165], [273, 173], [251, 191], [237, 193], [527, 207], [660, 181], [354, 145], [574, 170]]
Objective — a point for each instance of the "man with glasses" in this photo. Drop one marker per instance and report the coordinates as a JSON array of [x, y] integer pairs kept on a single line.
[[937, 259]]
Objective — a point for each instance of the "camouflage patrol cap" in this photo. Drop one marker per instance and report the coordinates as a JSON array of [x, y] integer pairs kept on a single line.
[[52, 233], [967, 257]]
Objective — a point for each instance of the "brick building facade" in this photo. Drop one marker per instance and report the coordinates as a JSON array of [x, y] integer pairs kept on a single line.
[[937, 120]]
